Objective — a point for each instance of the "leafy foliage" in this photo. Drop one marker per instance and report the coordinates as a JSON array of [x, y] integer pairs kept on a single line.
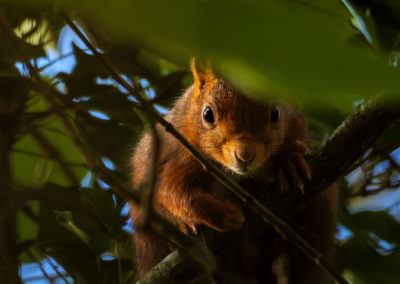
[[302, 50]]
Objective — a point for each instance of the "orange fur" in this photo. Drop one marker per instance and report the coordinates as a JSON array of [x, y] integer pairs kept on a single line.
[[247, 143]]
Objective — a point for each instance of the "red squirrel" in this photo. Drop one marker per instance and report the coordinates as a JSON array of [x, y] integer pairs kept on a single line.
[[248, 140]]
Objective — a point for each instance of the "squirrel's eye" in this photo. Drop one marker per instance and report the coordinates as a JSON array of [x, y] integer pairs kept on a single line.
[[208, 115], [275, 114]]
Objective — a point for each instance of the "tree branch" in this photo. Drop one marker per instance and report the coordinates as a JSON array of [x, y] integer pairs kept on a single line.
[[344, 147], [170, 269]]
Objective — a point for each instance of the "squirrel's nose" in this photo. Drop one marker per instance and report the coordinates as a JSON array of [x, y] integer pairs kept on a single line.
[[245, 155]]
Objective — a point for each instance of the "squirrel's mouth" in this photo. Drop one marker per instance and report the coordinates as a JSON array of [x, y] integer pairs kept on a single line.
[[245, 169], [241, 168]]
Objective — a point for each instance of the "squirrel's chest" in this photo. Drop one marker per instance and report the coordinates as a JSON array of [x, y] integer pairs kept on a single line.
[[265, 174]]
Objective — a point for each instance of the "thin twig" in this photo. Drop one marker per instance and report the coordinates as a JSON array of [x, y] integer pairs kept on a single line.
[[55, 268], [34, 259], [284, 229], [55, 130], [55, 61], [21, 151], [56, 154], [30, 214]]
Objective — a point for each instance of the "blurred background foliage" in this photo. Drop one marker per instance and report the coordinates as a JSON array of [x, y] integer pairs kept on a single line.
[[329, 56]]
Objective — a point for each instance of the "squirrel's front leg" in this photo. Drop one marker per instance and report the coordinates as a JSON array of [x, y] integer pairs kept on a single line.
[[196, 206]]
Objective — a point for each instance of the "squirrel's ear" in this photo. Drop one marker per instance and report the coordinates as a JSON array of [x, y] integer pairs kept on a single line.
[[201, 74]]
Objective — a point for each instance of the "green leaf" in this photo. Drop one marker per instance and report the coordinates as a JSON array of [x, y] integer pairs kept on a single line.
[[380, 223], [27, 154], [41, 172], [365, 266], [263, 47]]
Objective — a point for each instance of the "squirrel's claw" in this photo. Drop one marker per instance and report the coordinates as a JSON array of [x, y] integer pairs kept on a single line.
[[293, 172], [188, 228], [282, 180], [303, 166], [300, 147], [293, 168]]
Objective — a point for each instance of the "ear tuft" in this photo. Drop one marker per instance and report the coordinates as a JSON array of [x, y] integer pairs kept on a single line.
[[193, 68], [201, 74]]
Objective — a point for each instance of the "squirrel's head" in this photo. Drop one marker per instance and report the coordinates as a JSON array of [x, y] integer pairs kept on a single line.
[[237, 132]]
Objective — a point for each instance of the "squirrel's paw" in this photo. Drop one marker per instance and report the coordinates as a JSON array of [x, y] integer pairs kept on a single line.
[[233, 218], [222, 215], [292, 167]]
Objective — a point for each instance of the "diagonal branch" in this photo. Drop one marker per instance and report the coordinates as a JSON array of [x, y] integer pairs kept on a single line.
[[251, 201]]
